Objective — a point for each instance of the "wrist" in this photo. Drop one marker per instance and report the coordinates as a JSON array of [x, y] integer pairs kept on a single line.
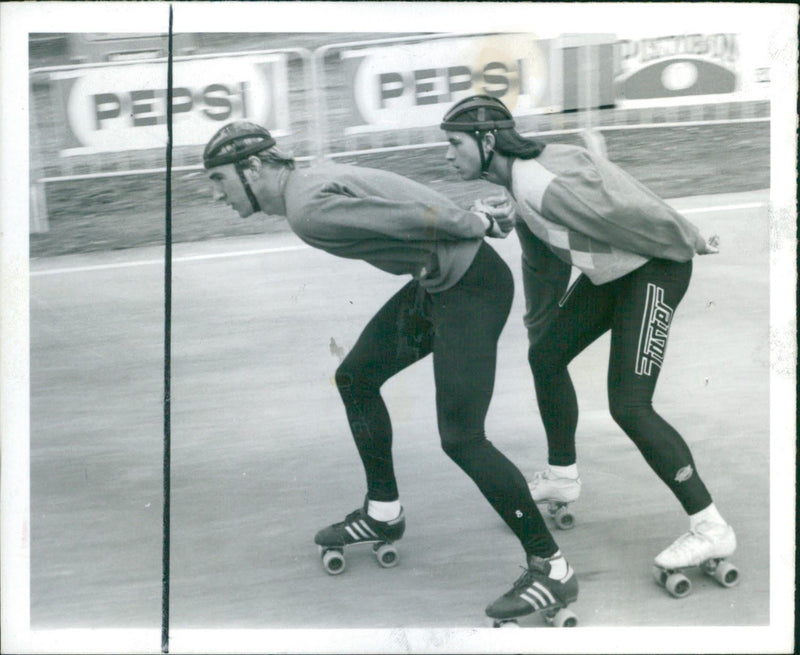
[[488, 223], [699, 244]]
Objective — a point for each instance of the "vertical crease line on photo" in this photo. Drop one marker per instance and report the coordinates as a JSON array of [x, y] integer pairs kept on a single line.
[[167, 353]]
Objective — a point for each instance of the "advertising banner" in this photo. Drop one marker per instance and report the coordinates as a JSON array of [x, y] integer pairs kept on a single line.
[[119, 108], [669, 69], [413, 85]]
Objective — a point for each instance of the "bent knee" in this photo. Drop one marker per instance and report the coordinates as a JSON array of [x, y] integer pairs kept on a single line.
[[542, 362], [629, 416], [344, 377], [454, 446]]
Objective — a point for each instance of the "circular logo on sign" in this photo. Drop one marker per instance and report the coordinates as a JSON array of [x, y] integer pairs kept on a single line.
[[679, 76]]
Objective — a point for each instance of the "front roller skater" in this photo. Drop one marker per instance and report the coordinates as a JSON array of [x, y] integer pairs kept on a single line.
[[454, 307], [579, 210]]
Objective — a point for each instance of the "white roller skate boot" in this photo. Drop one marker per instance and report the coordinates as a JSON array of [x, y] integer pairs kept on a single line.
[[706, 545], [558, 492]]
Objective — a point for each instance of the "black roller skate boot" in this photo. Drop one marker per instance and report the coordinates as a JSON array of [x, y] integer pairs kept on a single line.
[[360, 528], [536, 591]]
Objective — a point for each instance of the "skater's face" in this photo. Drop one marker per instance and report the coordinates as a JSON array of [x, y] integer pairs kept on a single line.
[[228, 188], [264, 182], [463, 154]]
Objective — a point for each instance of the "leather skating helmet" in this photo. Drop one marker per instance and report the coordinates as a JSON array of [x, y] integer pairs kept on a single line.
[[477, 115], [233, 144]]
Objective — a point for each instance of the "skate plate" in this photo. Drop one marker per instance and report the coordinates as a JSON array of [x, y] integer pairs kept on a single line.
[[560, 513], [679, 585], [334, 562], [558, 616]]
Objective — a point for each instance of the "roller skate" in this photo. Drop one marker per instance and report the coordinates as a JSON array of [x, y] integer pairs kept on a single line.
[[707, 546], [535, 591], [558, 493], [359, 528]]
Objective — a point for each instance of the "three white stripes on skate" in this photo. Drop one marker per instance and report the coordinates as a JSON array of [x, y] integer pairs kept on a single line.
[[360, 530], [539, 597]]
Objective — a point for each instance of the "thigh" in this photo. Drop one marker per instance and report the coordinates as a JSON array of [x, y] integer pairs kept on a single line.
[[544, 278], [645, 303], [383, 349], [469, 319], [586, 315]]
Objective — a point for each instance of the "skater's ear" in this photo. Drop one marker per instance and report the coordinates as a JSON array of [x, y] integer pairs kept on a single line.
[[253, 164]]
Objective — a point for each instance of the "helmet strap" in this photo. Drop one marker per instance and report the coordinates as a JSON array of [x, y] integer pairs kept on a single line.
[[250, 195], [485, 165], [486, 160]]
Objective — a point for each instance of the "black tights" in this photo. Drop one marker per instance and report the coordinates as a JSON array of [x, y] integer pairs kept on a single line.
[[638, 310], [466, 321]]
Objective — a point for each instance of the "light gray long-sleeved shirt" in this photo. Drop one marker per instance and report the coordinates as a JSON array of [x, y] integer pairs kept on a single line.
[[389, 221], [595, 216]]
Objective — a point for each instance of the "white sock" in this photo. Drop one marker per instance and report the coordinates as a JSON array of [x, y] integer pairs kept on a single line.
[[384, 511], [570, 471], [558, 566], [710, 514]]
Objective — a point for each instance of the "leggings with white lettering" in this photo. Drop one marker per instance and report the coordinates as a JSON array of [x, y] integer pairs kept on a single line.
[[638, 309], [464, 324]]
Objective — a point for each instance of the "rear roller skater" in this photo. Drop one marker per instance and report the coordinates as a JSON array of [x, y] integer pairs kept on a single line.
[[706, 546], [558, 492], [539, 589], [600, 253], [360, 528]]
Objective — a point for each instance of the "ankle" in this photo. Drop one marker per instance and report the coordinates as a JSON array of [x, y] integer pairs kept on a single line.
[[558, 566], [570, 471], [383, 510], [708, 515]]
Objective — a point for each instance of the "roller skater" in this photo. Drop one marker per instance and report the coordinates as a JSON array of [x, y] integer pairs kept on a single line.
[[578, 211], [453, 309]]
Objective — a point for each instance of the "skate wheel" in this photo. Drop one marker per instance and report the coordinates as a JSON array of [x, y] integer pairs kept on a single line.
[[564, 618], [564, 518], [387, 555], [505, 623], [678, 585], [660, 576], [725, 574], [333, 561]]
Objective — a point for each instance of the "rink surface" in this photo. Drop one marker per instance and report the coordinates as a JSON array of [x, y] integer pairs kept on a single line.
[[262, 456]]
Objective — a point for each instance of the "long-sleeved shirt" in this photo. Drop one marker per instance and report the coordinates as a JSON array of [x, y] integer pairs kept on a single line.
[[595, 216], [389, 221]]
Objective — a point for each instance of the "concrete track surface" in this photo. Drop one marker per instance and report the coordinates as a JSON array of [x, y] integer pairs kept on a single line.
[[262, 456]]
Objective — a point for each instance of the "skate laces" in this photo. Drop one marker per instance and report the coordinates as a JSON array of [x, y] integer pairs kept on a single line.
[[523, 581], [352, 517], [528, 577], [688, 543], [540, 476], [548, 476]]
